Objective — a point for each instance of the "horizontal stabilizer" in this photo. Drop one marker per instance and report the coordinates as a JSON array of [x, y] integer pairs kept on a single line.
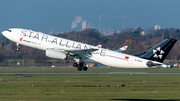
[[158, 65]]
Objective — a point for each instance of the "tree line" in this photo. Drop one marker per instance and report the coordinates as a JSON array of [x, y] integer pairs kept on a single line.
[[136, 43]]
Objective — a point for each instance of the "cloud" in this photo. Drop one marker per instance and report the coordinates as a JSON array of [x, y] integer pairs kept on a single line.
[[77, 20]]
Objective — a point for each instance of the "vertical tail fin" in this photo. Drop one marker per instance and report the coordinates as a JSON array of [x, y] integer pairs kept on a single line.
[[160, 51]]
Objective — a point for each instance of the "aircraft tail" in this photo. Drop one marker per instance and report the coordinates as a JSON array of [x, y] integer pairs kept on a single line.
[[160, 51]]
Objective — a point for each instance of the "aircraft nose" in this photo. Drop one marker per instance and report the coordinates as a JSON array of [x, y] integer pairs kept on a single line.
[[5, 33]]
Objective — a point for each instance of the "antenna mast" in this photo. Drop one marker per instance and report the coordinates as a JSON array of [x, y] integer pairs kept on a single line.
[[100, 24]]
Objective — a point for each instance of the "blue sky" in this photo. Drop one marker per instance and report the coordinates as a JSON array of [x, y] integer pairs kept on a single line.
[[45, 15]]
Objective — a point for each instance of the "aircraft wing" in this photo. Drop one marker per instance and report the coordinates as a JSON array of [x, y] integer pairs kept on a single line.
[[83, 53]]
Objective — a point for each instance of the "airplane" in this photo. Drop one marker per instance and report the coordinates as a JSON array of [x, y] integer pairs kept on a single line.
[[81, 53]]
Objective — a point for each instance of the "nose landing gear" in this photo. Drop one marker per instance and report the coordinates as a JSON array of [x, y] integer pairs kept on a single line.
[[18, 47]]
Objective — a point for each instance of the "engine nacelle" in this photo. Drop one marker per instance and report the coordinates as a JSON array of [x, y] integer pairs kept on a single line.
[[52, 53]]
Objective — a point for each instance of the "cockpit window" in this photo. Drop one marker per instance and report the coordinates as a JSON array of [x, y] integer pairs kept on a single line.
[[9, 30]]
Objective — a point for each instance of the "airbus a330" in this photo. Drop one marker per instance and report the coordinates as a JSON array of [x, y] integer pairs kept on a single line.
[[81, 53]]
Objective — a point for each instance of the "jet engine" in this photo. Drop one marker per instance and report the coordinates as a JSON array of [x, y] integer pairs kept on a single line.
[[52, 53]]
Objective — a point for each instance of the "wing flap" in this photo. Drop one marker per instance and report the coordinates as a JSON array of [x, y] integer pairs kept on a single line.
[[83, 53]]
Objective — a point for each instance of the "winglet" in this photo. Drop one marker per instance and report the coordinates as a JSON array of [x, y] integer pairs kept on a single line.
[[120, 49], [123, 48], [99, 46]]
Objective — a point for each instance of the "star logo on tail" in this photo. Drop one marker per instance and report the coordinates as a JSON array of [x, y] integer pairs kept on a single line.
[[158, 53]]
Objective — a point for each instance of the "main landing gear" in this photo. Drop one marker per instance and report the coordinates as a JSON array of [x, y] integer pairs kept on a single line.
[[18, 47], [80, 66]]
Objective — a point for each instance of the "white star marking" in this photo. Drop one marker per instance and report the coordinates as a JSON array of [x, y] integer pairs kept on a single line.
[[155, 53]]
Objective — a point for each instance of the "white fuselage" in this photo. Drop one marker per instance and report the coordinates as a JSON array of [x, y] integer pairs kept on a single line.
[[103, 56]]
